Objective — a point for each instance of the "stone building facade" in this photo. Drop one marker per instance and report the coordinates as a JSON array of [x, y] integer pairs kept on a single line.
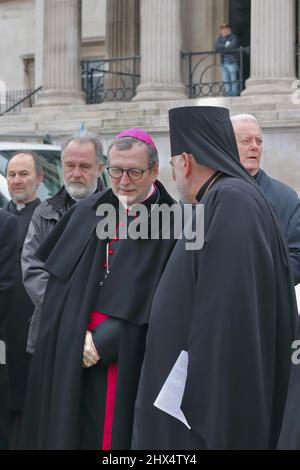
[[52, 36]]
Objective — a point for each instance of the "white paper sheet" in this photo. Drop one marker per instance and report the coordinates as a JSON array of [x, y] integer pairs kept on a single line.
[[170, 397]]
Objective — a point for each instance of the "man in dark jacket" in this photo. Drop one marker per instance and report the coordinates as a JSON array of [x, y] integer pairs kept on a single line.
[[24, 174], [8, 276], [225, 44], [82, 163], [282, 198]]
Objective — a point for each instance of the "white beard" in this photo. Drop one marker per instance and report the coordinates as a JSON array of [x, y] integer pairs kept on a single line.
[[79, 191]]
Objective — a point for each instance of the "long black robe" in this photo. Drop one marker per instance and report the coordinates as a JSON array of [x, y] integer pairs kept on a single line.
[[230, 305], [8, 275], [17, 322], [65, 406]]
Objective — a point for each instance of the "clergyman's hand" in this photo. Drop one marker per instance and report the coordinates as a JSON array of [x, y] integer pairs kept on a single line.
[[90, 353]]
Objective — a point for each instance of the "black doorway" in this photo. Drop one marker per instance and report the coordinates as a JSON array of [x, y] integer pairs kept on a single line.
[[240, 22]]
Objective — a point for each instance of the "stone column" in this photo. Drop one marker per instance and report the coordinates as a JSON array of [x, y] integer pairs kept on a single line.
[[161, 44], [61, 76], [122, 40], [298, 39], [39, 27], [272, 47], [201, 22]]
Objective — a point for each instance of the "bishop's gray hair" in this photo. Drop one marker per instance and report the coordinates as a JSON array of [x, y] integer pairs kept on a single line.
[[126, 143]]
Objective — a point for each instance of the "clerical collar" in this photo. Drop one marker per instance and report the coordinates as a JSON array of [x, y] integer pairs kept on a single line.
[[20, 206], [146, 200], [203, 190]]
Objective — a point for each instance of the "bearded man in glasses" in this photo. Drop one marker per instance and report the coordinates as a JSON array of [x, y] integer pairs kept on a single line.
[[90, 347]]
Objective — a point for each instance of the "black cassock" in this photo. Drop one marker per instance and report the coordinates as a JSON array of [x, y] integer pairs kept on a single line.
[[8, 277], [69, 407], [17, 322], [232, 313], [230, 305]]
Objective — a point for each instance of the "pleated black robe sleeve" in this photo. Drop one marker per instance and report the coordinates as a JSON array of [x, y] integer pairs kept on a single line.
[[228, 396]]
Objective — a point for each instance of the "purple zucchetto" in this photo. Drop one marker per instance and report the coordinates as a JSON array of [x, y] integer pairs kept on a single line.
[[138, 134]]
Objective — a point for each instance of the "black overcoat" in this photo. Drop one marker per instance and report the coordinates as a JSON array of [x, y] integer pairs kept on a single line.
[[286, 204], [8, 275], [230, 305], [234, 312], [17, 322]]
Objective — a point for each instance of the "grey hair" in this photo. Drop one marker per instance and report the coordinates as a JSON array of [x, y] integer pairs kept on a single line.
[[38, 161], [244, 118], [83, 138], [126, 143]]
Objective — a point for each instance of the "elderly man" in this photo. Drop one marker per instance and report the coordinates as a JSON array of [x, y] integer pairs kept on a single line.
[[82, 163], [216, 364], [24, 174], [282, 198], [8, 277], [89, 351]]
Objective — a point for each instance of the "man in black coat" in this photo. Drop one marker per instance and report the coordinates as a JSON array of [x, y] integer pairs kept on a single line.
[[223, 317], [8, 273], [282, 198], [24, 174], [90, 346]]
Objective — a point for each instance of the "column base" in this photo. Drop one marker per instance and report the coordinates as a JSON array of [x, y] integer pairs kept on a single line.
[[159, 92], [271, 86], [58, 98]]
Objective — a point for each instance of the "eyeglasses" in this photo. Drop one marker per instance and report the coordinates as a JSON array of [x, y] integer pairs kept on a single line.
[[134, 174]]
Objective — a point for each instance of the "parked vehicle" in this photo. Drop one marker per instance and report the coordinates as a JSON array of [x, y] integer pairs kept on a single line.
[[53, 178], [50, 155]]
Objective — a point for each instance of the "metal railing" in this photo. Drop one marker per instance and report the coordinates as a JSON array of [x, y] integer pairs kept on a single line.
[[110, 79], [15, 100], [117, 79], [203, 73]]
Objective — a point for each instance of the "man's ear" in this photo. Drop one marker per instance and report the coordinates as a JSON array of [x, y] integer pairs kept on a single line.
[[100, 169], [40, 178], [187, 163], [155, 170]]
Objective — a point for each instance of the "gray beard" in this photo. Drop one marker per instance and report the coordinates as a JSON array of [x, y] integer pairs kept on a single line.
[[78, 191], [21, 197]]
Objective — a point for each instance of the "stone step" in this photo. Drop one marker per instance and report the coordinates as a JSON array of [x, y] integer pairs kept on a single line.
[[13, 127], [17, 117], [109, 118], [68, 126], [83, 115]]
